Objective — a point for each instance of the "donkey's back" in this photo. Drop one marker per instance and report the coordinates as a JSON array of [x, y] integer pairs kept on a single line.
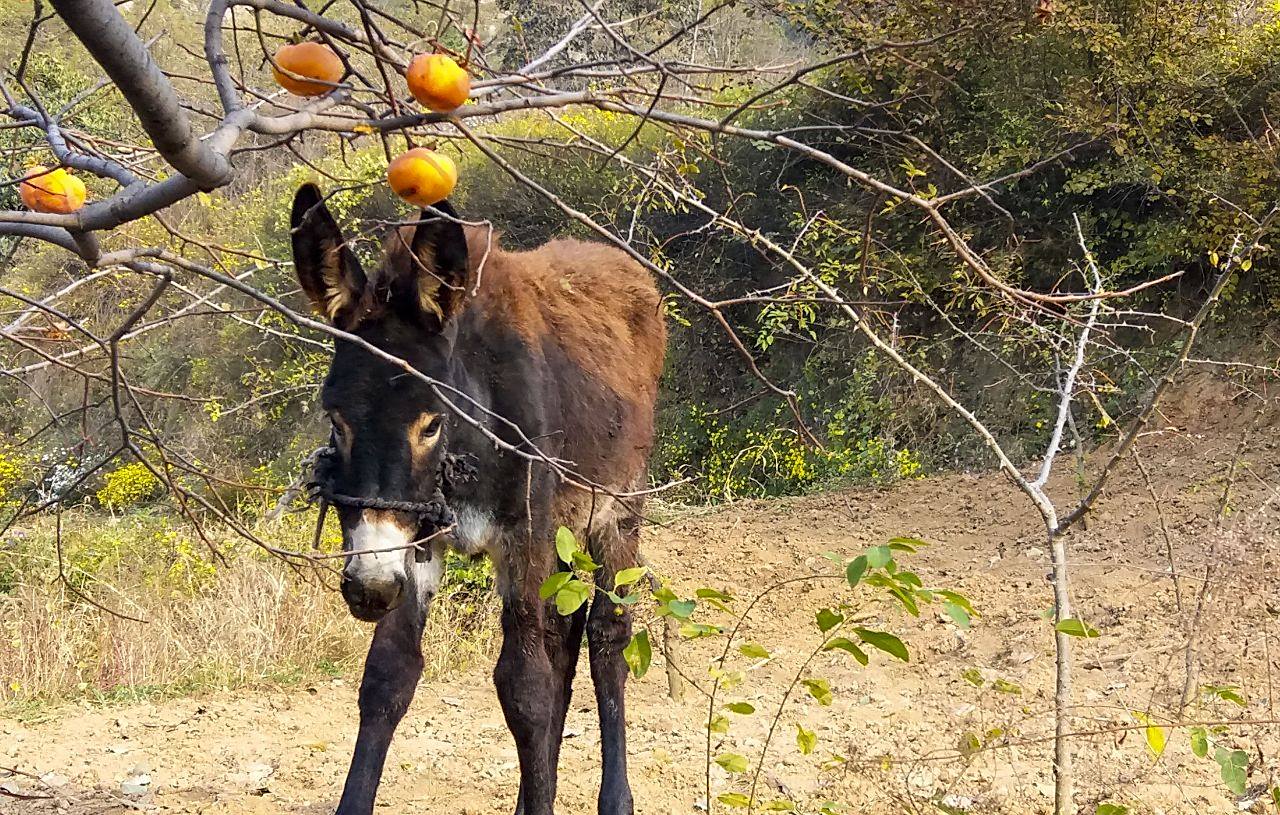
[[591, 318]]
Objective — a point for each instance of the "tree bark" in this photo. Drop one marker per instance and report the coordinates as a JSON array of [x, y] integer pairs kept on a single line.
[[114, 45]]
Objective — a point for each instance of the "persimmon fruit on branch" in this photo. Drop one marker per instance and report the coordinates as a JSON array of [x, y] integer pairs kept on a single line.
[[307, 68], [45, 190], [422, 177], [437, 82]]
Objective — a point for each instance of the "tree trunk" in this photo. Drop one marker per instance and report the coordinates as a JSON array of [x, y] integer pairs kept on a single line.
[[1063, 780]]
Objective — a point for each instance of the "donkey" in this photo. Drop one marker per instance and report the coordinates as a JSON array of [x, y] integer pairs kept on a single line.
[[560, 347]]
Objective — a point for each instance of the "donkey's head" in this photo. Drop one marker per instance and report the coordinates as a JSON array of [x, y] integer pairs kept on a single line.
[[389, 426]]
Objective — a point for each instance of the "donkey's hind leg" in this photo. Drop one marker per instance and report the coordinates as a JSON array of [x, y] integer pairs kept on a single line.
[[615, 547], [391, 673]]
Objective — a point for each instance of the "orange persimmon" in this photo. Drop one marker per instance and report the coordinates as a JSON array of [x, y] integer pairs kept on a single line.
[[422, 177], [45, 190], [437, 82], [310, 60]]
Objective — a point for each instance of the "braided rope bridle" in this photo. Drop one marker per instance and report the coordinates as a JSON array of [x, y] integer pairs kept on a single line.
[[432, 515]]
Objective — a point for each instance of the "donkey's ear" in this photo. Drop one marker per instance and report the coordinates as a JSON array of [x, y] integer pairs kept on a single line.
[[326, 267], [440, 251]]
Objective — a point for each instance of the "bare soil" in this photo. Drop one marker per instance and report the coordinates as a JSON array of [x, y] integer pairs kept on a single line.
[[896, 726]]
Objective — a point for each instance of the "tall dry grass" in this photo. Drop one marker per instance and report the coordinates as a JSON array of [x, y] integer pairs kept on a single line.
[[202, 622]]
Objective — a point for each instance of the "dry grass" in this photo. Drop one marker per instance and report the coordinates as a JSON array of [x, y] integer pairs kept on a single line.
[[204, 622]]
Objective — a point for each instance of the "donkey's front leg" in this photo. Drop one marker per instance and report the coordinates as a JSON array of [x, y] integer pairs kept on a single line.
[[391, 673], [528, 695]]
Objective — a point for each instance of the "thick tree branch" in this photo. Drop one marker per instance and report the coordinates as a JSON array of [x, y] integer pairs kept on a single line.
[[117, 48]]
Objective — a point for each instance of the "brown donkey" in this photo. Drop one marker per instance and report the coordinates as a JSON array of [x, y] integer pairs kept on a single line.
[[562, 347]]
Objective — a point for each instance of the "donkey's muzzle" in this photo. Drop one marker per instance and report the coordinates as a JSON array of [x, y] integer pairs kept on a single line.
[[371, 598]]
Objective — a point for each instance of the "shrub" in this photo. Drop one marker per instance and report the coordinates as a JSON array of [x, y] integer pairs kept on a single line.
[[128, 486], [11, 475]]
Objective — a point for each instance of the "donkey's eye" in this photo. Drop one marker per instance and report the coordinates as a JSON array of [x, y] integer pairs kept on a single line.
[[433, 427]]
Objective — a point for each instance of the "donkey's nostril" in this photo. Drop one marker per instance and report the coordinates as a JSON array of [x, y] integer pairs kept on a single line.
[[370, 598]]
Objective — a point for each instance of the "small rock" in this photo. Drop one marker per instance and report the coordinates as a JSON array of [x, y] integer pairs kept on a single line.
[[136, 785], [957, 803], [259, 772], [922, 783]]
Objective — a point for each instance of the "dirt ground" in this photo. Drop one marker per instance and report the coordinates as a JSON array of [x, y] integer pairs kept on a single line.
[[896, 726]]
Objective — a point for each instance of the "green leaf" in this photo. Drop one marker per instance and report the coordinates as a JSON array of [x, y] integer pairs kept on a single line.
[[624, 600], [1199, 742], [958, 599], [956, 613], [732, 763], [718, 724], [742, 708], [855, 570], [911, 580], [553, 584], [1112, 809], [566, 544], [904, 543], [754, 650], [1002, 685], [663, 595], [828, 619], [819, 689], [847, 645], [728, 679], [716, 598], [973, 676], [885, 642], [1076, 628], [714, 594], [969, 743], [806, 740], [1227, 693], [906, 599], [628, 576], [879, 556], [571, 596], [583, 562], [733, 799], [680, 609], [779, 805], [1235, 768], [638, 653], [692, 631]]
